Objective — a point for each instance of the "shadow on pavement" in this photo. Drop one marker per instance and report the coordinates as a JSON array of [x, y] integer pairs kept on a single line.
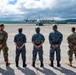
[[27, 71], [74, 67], [46, 71], [2, 71], [65, 71], [9, 71]]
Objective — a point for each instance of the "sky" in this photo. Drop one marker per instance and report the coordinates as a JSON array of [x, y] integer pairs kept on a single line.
[[18, 10]]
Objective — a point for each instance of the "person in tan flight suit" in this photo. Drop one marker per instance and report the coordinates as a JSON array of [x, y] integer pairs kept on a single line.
[[72, 46], [3, 44]]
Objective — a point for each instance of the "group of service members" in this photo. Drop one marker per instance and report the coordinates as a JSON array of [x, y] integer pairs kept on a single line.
[[55, 40]]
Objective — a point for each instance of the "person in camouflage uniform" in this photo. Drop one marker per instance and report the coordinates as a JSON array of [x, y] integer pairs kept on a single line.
[[72, 46], [20, 40], [37, 40], [3, 44], [55, 39]]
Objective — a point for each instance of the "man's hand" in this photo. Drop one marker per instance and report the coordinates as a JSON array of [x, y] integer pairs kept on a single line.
[[18, 47], [38, 46], [0, 45], [21, 47], [55, 46], [74, 46]]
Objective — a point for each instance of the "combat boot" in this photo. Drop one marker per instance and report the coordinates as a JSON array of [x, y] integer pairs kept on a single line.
[[33, 63], [7, 63], [70, 63], [16, 63], [41, 64], [51, 64], [58, 64], [24, 64]]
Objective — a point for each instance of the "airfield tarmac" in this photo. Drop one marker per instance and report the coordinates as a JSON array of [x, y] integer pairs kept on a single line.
[[29, 30]]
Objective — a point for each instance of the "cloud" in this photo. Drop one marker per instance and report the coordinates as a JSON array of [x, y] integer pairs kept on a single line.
[[22, 9]]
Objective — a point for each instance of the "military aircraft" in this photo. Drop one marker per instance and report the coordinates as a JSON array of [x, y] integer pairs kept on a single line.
[[38, 22], [29, 21]]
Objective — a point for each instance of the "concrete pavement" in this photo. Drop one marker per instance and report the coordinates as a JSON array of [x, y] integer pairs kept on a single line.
[[29, 30]]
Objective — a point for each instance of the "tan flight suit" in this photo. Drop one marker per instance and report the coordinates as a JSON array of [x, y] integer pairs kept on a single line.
[[71, 41], [3, 40]]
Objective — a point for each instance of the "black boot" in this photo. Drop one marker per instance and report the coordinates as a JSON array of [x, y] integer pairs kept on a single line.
[[33, 63], [7, 63], [51, 64], [41, 64], [24, 64], [58, 64], [16, 63]]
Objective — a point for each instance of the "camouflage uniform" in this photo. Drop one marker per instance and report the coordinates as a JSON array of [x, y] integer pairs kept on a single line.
[[3, 40], [55, 38], [71, 41], [19, 39], [38, 39]]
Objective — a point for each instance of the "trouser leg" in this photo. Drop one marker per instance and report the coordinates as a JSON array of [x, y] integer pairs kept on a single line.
[[40, 52], [23, 55], [17, 55], [34, 57], [58, 54], [52, 54], [5, 53], [70, 55], [52, 57]]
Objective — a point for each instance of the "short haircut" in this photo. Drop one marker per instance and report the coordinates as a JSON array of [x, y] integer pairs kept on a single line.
[[2, 25], [37, 29], [20, 30], [55, 26], [73, 29]]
